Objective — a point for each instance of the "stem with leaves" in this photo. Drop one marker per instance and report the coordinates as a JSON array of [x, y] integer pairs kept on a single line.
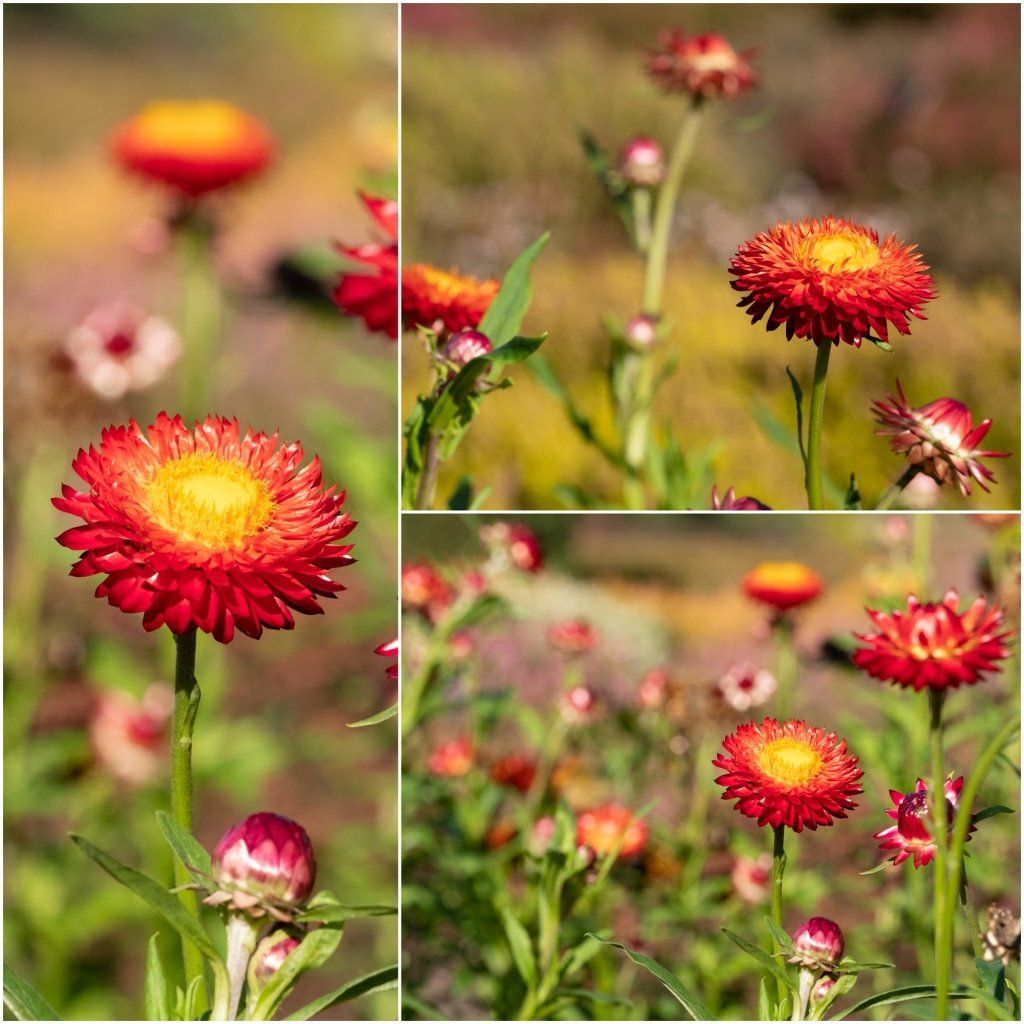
[[778, 869]]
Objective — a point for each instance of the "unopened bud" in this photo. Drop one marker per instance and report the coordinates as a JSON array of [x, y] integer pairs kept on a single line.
[[464, 346], [268, 957], [642, 162], [641, 331], [818, 944]]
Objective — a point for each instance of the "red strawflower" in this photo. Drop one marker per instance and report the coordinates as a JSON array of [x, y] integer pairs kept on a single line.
[[602, 828], [195, 147], [206, 528], [782, 585], [443, 300], [704, 65], [389, 649], [831, 280], [911, 836], [934, 645], [790, 774], [515, 770], [940, 438], [730, 503], [572, 637], [518, 542], [452, 759], [424, 590], [374, 297]]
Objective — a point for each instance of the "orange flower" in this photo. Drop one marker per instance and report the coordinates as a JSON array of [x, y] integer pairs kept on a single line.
[[783, 585], [790, 774], [452, 759], [604, 827], [705, 65], [831, 280], [195, 147], [432, 297], [206, 528]]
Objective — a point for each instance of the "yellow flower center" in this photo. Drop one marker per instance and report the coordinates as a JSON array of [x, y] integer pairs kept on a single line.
[[442, 286], [217, 502], [194, 128], [790, 761], [844, 252], [783, 575]]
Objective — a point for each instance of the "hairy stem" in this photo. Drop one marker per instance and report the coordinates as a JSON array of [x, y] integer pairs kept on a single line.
[[815, 497], [778, 868]]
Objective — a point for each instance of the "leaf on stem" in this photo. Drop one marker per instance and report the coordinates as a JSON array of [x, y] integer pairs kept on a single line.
[[798, 399], [23, 1000], [314, 950], [186, 847], [333, 914], [522, 950], [779, 935], [382, 980], [505, 314], [381, 716], [767, 961], [157, 1007], [991, 812]]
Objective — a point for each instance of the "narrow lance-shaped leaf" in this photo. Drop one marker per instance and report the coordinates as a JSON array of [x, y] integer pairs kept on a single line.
[[377, 981], [505, 314], [157, 1007], [185, 846], [23, 1000], [314, 950]]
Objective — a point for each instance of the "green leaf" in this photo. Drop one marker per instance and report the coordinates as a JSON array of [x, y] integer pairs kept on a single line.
[[902, 995], [878, 867], [693, 1006], [580, 955], [768, 962], [851, 500], [599, 998], [993, 977], [614, 187], [420, 1008], [991, 812], [765, 1008], [382, 980], [156, 983], [798, 398], [779, 934], [381, 716], [185, 846], [23, 1000], [505, 314], [854, 967], [314, 950], [522, 950], [191, 1010], [338, 913], [169, 907]]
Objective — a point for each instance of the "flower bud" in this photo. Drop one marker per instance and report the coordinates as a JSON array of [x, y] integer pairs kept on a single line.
[[264, 865], [580, 705], [818, 944], [641, 331], [822, 989], [642, 162], [464, 346], [268, 957], [452, 759], [541, 835]]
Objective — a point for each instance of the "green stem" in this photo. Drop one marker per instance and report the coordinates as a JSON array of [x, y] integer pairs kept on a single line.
[[897, 488], [923, 554], [186, 704], [427, 483], [201, 316], [786, 666], [815, 498], [940, 832], [778, 868]]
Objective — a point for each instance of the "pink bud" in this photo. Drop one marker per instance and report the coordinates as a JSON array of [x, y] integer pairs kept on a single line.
[[268, 957], [464, 346], [822, 988], [642, 162], [641, 331], [266, 859], [818, 943]]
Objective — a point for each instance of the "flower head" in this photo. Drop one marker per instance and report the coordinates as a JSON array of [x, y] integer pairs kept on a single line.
[[744, 687], [782, 585], [573, 636], [264, 866], [389, 649], [445, 300], [518, 542], [117, 349], [516, 771], [642, 162], [425, 590], [268, 957], [730, 503], [934, 646], [818, 944], [831, 280], [208, 528], [751, 878], [789, 773], [940, 438], [129, 736], [452, 759], [373, 297], [603, 828], [194, 147], [911, 836], [705, 65]]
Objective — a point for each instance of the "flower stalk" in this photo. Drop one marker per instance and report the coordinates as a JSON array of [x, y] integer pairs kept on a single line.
[[887, 499], [778, 869], [815, 495], [201, 314]]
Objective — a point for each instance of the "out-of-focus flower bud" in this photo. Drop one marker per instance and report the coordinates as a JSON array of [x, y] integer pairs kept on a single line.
[[580, 705], [744, 687], [642, 162], [452, 759], [752, 879], [129, 736], [541, 835], [516, 771], [818, 944], [730, 503], [641, 332]]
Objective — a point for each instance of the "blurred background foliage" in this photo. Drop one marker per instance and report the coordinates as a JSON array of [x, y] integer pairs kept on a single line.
[[272, 728], [905, 117], [664, 592]]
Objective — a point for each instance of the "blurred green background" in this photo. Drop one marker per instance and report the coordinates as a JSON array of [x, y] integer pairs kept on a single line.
[[272, 729], [905, 117]]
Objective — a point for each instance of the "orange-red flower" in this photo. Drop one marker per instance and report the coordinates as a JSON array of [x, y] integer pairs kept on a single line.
[[934, 646], [443, 299], [515, 770], [831, 280], [208, 528], [703, 65], [452, 759], [940, 438], [374, 297], [195, 147], [572, 637], [782, 585], [425, 590], [603, 828], [911, 835], [789, 773]]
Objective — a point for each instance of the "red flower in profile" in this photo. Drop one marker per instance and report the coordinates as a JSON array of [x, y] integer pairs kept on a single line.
[[831, 280], [208, 528], [389, 649], [452, 759], [195, 147], [572, 637], [790, 774], [425, 590], [730, 503], [515, 770], [940, 438], [934, 646], [911, 835], [374, 297], [603, 828], [443, 300], [782, 585], [705, 65]]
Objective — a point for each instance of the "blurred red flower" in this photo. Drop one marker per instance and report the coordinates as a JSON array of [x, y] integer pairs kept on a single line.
[[572, 637], [515, 770], [704, 65], [452, 759], [782, 585], [602, 828], [425, 590], [129, 736], [728, 502], [389, 649], [374, 297]]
